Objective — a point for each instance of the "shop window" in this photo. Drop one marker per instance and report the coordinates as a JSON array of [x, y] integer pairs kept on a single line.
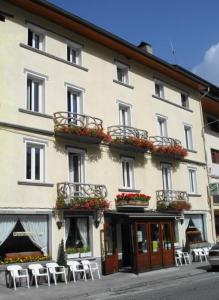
[[195, 229], [77, 232]]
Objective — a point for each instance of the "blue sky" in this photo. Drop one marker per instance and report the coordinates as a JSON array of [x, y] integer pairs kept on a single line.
[[191, 25]]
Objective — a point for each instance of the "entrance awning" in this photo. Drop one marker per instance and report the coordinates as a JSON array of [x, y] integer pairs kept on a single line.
[[143, 215]]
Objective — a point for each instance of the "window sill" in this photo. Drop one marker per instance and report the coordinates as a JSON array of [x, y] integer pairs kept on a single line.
[[34, 113], [129, 190], [123, 84], [34, 183], [194, 195], [174, 104], [52, 56], [192, 151]]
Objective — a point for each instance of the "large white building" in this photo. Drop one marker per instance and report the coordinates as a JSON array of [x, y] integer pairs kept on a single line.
[[60, 73]]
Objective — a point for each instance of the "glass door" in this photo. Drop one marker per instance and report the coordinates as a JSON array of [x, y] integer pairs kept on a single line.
[[142, 247], [73, 106], [155, 245], [167, 181], [167, 243], [76, 172], [111, 262]]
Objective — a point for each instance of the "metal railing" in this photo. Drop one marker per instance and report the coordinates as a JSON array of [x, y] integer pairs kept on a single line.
[[63, 118], [171, 195], [69, 190], [164, 141], [120, 131]]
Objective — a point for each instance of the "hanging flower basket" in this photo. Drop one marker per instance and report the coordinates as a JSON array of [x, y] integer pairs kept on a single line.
[[132, 144], [176, 151], [174, 205], [132, 199]]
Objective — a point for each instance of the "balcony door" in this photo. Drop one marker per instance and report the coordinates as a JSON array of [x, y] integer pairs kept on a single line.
[[167, 180], [76, 170], [74, 106]]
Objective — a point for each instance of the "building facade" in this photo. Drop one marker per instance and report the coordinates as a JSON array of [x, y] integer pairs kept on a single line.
[[58, 73]]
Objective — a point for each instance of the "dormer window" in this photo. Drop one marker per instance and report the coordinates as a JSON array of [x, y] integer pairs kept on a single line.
[[159, 89], [36, 37], [74, 53], [122, 72]]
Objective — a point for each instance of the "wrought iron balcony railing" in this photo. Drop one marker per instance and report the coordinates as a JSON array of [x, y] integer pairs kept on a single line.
[[171, 195], [164, 141], [120, 131], [63, 118], [69, 190]]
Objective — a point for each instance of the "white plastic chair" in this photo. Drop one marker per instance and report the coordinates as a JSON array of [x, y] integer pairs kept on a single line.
[[178, 258], [202, 254], [55, 269], [75, 267], [17, 272], [90, 266], [39, 271], [206, 250], [185, 256]]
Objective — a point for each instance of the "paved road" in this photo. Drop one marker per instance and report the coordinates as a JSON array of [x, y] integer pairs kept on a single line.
[[200, 287]]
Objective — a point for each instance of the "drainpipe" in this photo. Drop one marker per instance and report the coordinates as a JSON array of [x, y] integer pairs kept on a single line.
[[210, 198]]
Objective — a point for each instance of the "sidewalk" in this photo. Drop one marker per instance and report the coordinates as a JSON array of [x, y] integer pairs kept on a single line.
[[106, 285]]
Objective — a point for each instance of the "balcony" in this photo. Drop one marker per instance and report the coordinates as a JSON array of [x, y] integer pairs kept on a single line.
[[172, 200], [168, 147], [80, 128], [81, 196], [129, 139]]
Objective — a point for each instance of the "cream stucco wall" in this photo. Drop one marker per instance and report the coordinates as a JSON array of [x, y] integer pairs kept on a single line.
[[102, 165]]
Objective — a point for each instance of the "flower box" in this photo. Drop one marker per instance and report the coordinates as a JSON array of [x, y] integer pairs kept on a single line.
[[72, 255], [132, 199], [85, 254], [173, 206], [132, 144], [82, 134], [83, 203], [176, 152]]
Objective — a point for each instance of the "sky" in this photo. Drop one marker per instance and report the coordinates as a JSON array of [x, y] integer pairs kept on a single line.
[[190, 27]]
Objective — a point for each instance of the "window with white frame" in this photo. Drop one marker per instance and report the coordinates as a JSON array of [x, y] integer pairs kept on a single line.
[[122, 72], [74, 52], [166, 176], [124, 115], [184, 100], [188, 137], [76, 165], [162, 125], [36, 37], [35, 162], [159, 89], [192, 180], [128, 172], [35, 93]]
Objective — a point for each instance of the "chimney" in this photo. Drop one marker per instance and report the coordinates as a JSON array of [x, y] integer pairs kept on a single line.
[[145, 47]]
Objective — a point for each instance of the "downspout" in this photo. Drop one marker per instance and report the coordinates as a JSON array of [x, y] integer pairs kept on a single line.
[[210, 199]]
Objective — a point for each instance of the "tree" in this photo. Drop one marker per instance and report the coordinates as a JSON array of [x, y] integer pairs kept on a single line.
[[61, 255]]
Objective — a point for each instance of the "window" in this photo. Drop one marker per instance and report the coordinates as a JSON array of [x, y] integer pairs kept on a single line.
[[124, 115], [213, 123], [36, 37], [162, 125], [74, 53], [35, 94], [159, 89], [192, 181], [166, 176], [77, 232], [122, 72], [195, 229], [184, 100], [215, 156], [128, 173], [188, 137], [76, 166], [35, 162]]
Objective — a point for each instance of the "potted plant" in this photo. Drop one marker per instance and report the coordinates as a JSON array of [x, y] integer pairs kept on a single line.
[[72, 252], [132, 199], [85, 251]]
